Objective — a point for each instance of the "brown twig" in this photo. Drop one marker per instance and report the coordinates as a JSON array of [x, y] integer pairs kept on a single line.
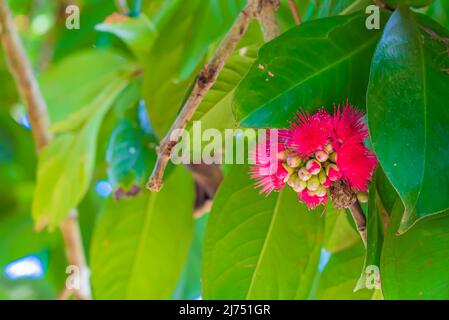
[[266, 15], [295, 12], [359, 219], [208, 75], [344, 198], [37, 109]]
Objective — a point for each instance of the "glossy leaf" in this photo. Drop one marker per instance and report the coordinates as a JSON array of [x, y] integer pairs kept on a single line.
[[141, 244], [415, 264], [272, 248], [375, 236], [408, 122], [439, 10], [315, 64]]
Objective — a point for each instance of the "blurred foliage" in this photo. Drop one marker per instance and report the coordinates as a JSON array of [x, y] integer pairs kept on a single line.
[[113, 88]]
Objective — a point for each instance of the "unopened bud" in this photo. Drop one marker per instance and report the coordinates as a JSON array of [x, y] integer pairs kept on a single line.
[[303, 174], [333, 157], [313, 167], [300, 186], [290, 171], [313, 184], [332, 172], [362, 197], [294, 161], [322, 176], [321, 156], [328, 148], [282, 156], [321, 191], [327, 183]]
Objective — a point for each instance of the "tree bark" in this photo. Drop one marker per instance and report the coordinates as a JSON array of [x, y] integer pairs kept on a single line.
[[28, 87]]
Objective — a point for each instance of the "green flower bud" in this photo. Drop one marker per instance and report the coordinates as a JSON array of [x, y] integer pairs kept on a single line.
[[322, 176], [321, 156], [303, 174], [313, 167], [313, 183], [321, 191], [328, 148], [282, 155], [294, 161], [362, 197], [300, 187], [333, 157]]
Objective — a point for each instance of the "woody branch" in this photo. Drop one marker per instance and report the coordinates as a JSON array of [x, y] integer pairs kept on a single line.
[[264, 11]]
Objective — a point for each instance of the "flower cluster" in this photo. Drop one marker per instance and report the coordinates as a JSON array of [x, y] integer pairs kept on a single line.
[[316, 151]]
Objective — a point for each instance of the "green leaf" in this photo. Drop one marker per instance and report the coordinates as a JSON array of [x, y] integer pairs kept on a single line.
[[317, 63], [189, 285], [141, 244], [75, 81], [66, 165], [272, 247], [439, 10], [414, 265], [375, 237], [137, 33], [409, 3], [407, 102], [129, 156]]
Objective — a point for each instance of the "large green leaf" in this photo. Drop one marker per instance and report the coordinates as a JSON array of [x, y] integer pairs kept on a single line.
[[375, 236], [407, 116], [317, 63], [414, 265], [66, 165], [141, 244], [273, 247]]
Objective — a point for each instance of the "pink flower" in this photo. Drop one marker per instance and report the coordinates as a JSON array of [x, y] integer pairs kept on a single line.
[[356, 164], [316, 151], [354, 160], [308, 133], [268, 170]]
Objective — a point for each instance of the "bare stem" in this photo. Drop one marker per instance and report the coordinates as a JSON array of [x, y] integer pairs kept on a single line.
[[263, 10], [122, 6], [359, 219], [28, 87], [294, 10], [267, 18]]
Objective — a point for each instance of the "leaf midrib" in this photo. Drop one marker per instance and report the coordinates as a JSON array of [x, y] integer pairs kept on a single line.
[[265, 244]]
